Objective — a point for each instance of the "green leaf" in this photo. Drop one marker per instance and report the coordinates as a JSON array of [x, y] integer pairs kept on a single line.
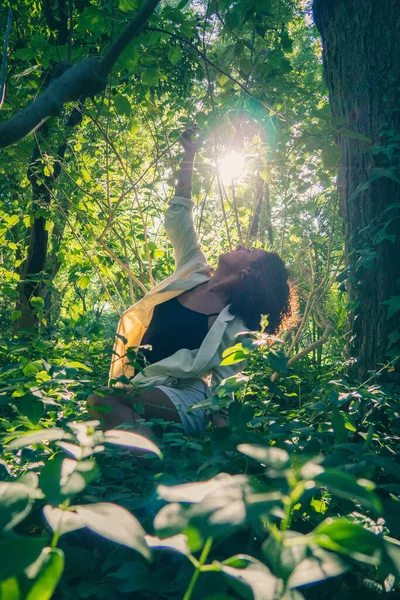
[[83, 282], [129, 58], [264, 585], [116, 524], [9, 589], [20, 552], [216, 506], [233, 358], [240, 413], [51, 569], [236, 348], [346, 486], [233, 18], [61, 479], [394, 305], [62, 521], [270, 455], [286, 42], [245, 65], [16, 500], [283, 559], [32, 367], [355, 136], [323, 565], [131, 440], [32, 407], [278, 361], [177, 542], [231, 384], [93, 19], [342, 536], [74, 364], [134, 126], [222, 79], [37, 437], [126, 5], [174, 54], [150, 77], [196, 491], [123, 107], [172, 520], [37, 302]]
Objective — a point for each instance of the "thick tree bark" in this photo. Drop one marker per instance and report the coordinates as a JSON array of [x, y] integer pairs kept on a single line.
[[32, 269], [361, 54]]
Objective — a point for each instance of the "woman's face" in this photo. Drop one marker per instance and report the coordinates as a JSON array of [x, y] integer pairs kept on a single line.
[[239, 259]]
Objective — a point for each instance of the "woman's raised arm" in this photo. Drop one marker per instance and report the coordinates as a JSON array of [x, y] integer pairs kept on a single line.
[[178, 217]]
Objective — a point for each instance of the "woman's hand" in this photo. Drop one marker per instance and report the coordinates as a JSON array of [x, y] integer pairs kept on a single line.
[[190, 147]]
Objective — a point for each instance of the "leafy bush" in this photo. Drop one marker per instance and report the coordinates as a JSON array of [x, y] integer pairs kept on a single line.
[[294, 492]]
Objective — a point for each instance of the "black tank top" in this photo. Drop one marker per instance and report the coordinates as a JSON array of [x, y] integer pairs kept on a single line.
[[172, 327]]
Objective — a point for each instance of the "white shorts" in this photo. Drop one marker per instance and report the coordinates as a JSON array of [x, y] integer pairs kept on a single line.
[[183, 395]]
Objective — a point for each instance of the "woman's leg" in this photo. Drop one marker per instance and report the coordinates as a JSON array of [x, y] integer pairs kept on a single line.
[[155, 402]]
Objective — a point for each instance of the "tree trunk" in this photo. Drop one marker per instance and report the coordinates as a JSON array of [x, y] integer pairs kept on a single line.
[[361, 55], [32, 271]]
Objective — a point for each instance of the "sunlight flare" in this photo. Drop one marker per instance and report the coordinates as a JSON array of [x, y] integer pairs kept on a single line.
[[231, 166]]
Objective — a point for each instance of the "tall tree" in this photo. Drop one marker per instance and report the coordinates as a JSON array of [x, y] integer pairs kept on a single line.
[[361, 57]]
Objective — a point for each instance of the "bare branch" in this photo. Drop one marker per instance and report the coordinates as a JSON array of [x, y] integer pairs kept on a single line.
[[123, 266], [328, 326], [86, 78]]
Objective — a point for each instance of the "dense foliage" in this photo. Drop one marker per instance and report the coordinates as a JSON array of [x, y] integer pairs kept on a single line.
[[299, 496]]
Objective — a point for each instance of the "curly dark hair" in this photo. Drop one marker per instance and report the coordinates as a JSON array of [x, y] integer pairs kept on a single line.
[[264, 289]]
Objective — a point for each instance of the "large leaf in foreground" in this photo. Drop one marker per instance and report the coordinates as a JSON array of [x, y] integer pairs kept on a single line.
[[16, 501], [51, 569], [255, 574], [18, 553], [62, 521], [131, 440], [116, 524], [37, 437]]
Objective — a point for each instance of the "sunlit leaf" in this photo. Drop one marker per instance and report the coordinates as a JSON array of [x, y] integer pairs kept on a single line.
[[16, 500], [38, 437], [130, 440], [256, 575], [62, 521], [271, 456], [114, 523]]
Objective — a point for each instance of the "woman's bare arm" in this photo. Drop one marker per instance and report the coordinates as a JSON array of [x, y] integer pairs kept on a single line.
[[183, 186]]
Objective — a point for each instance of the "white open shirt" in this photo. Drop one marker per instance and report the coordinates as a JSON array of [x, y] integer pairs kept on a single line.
[[191, 269]]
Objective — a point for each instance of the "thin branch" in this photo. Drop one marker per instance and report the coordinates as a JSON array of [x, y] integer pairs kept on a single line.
[[328, 326], [123, 266], [4, 60], [212, 64]]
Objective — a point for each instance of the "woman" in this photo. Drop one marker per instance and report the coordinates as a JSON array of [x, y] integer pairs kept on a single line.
[[189, 319]]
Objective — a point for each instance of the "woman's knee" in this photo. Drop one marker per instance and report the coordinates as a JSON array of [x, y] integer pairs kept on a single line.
[[98, 405], [94, 400]]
